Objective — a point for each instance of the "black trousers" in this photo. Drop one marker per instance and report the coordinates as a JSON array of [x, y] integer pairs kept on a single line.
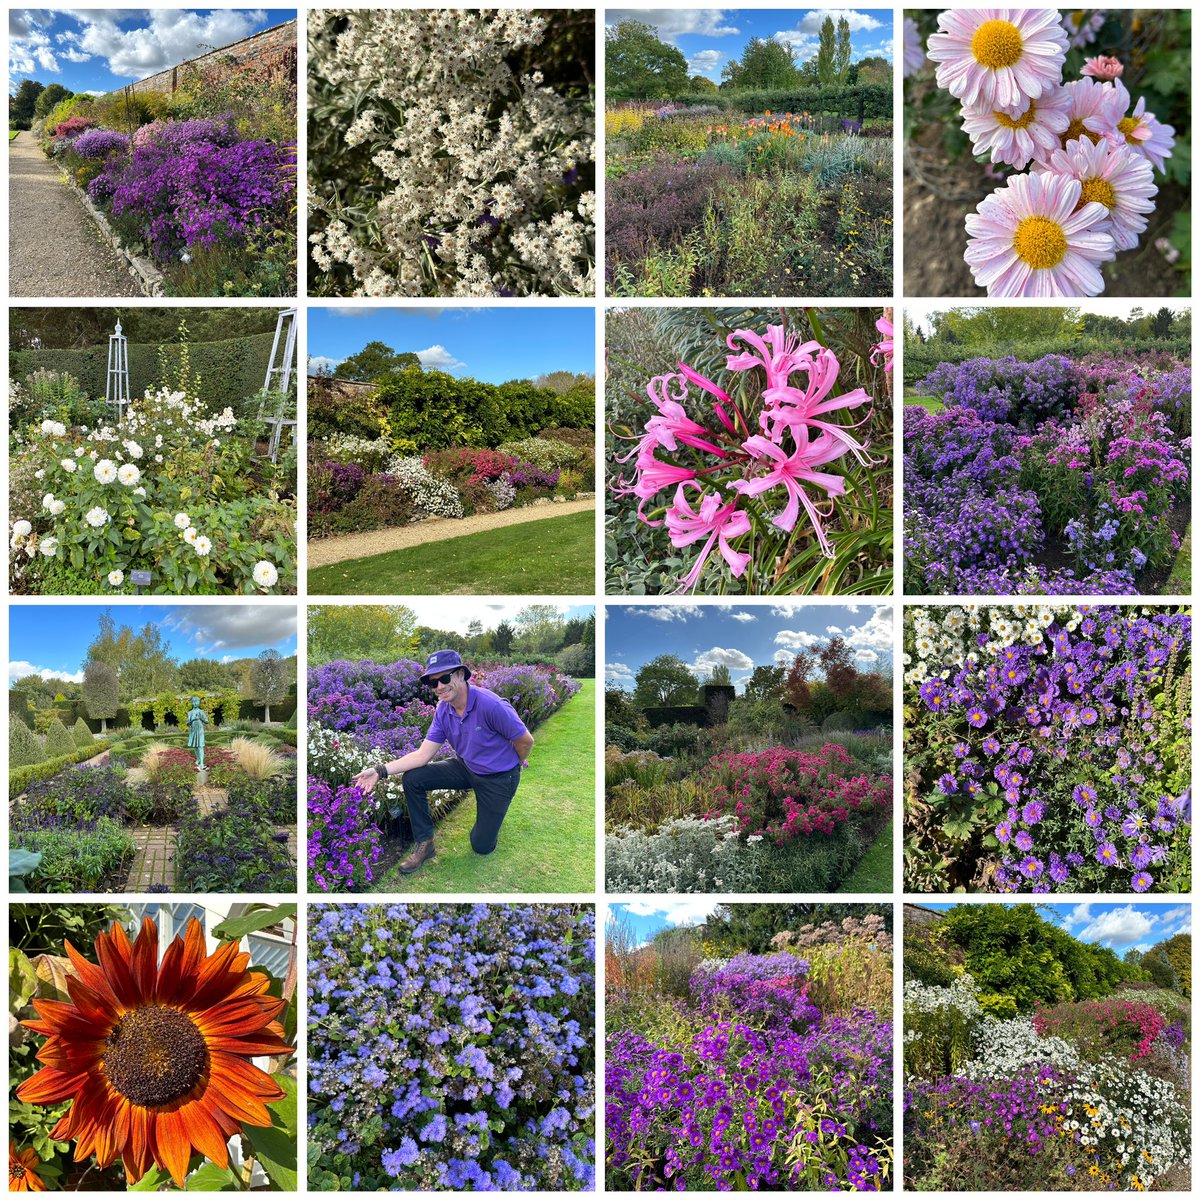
[[493, 795]]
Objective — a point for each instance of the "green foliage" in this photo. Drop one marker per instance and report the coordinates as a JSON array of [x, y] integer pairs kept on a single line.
[[24, 746], [765, 65], [379, 632], [78, 861], [375, 361], [82, 735], [59, 741], [19, 778], [664, 681], [49, 98], [638, 65]]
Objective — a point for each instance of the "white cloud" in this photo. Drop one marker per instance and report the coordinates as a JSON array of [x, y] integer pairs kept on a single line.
[[876, 632], [743, 616], [669, 23], [1081, 914], [666, 612], [706, 62], [803, 45], [438, 358], [788, 608], [812, 20], [834, 629], [322, 362], [1119, 927], [735, 660], [673, 912], [234, 627], [18, 670], [619, 674], [796, 639], [783, 658], [866, 656]]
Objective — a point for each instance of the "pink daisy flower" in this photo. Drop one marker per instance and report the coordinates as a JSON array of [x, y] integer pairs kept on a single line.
[[914, 51], [1027, 239], [1082, 30], [1142, 130], [1017, 138], [1094, 111], [1103, 67], [1115, 176], [998, 57]]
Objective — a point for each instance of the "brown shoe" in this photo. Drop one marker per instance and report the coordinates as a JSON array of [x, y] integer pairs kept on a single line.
[[422, 852]]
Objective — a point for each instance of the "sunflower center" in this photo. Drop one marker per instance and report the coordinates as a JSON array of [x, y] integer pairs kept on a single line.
[[1040, 242], [1126, 127], [155, 1055], [1022, 122], [1099, 190], [1076, 130], [997, 44]]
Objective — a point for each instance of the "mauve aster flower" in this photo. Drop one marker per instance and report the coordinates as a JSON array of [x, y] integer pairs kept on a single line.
[[1142, 881], [1113, 175], [1030, 239], [999, 57], [1142, 130], [1018, 137], [1093, 111], [914, 51]]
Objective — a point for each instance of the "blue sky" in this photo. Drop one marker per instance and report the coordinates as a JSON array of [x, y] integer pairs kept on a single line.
[[1120, 927], [741, 636], [52, 639], [710, 37], [455, 613], [493, 345], [100, 50]]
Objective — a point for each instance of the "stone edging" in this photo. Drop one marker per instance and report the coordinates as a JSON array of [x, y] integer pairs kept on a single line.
[[148, 276]]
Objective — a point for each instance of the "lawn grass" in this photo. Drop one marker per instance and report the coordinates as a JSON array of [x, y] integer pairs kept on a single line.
[[12, 133], [1179, 582], [552, 556], [930, 403], [874, 871], [548, 840]]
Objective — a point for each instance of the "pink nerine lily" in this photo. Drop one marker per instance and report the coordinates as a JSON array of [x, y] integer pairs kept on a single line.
[[786, 354], [673, 425], [792, 472], [652, 476], [714, 519], [886, 346]]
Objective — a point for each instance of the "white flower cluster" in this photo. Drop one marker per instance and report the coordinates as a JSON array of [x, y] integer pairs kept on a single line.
[[947, 637], [168, 417], [350, 448], [502, 491], [474, 198], [924, 998], [686, 854], [432, 496]]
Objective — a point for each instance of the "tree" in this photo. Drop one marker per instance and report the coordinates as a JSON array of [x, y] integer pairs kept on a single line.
[[827, 54], [766, 65], [765, 683], [48, 98], [796, 687], [378, 632], [205, 675], [702, 85], [502, 637], [269, 682], [837, 661], [720, 676], [21, 103], [101, 692], [1160, 323], [539, 629], [842, 54], [872, 70], [664, 681], [375, 361], [141, 660], [620, 709], [638, 65]]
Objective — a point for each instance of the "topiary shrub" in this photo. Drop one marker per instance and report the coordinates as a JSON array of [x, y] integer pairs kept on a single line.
[[59, 741], [81, 734], [24, 746]]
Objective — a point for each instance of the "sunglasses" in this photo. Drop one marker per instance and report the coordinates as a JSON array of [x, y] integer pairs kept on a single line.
[[436, 680]]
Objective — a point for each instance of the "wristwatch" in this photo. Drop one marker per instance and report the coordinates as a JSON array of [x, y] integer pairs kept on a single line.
[[382, 771]]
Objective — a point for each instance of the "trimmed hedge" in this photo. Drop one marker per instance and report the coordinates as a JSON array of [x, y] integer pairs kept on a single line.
[[24, 746], [866, 100], [59, 740], [19, 709], [19, 778], [230, 371]]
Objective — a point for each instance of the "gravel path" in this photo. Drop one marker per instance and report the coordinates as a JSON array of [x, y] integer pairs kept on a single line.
[[324, 552], [54, 247]]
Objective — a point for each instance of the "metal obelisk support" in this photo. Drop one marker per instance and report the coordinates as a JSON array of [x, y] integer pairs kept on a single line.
[[279, 381], [117, 394]]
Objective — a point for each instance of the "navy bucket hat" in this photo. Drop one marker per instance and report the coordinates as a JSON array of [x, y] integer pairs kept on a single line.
[[441, 661]]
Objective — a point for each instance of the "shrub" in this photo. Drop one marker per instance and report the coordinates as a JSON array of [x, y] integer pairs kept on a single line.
[[19, 778], [25, 748], [234, 850], [684, 854], [81, 734], [59, 741], [76, 861], [578, 660], [412, 1086]]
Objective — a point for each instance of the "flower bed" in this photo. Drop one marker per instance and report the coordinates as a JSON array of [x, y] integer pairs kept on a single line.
[[451, 1047], [744, 1083], [1047, 748], [172, 489], [181, 190], [1030, 466], [359, 713]]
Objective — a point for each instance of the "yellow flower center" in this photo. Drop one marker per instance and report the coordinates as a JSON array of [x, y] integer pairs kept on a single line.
[[1099, 190], [155, 1055], [1022, 122], [1077, 130], [1040, 242], [1126, 127], [997, 44]]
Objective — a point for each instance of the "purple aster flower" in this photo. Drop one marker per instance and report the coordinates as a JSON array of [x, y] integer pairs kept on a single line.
[[1142, 881], [1093, 818], [1088, 715], [1030, 867], [1023, 840], [1058, 869], [1140, 856], [1106, 852], [1004, 832], [1084, 793], [976, 717], [1033, 812]]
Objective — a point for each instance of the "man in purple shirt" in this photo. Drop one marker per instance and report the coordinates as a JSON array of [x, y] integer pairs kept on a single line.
[[491, 745]]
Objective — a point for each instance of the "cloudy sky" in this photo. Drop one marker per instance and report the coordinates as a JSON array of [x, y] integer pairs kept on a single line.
[[710, 37], [1120, 927], [51, 640], [454, 614], [493, 345], [740, 636], [643, 918], [100, 50]]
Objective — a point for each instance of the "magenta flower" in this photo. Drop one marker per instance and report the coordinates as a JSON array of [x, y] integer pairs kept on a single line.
[[673, 425], [714, 520], [786, 354], [886, 346], [792, 472], [1103, 67]]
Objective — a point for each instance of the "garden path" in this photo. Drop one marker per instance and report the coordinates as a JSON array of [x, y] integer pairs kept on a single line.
[[154, 863], [324, 552], [211, 800], [54, 247]]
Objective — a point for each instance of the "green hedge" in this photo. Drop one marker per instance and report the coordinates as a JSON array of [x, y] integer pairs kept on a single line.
[[231, 371], [868, 100], [19, 778], [18, 707]]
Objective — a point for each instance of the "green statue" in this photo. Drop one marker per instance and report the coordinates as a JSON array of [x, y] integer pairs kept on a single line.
[[196, 720]]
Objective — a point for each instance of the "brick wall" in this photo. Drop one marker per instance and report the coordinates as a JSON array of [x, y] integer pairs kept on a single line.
[[273, 50]]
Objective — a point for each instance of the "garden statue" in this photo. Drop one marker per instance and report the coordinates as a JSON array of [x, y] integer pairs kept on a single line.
[[196, 719]]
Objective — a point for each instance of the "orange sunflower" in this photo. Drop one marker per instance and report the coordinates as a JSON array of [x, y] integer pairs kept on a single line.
[[156, 1056], [22, 1176]]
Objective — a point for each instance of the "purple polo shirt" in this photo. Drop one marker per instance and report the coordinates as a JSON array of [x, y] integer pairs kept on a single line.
[[483, 736]]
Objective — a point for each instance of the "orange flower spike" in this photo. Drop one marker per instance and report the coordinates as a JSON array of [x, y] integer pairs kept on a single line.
[[22, 1170], [156, 1056]]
